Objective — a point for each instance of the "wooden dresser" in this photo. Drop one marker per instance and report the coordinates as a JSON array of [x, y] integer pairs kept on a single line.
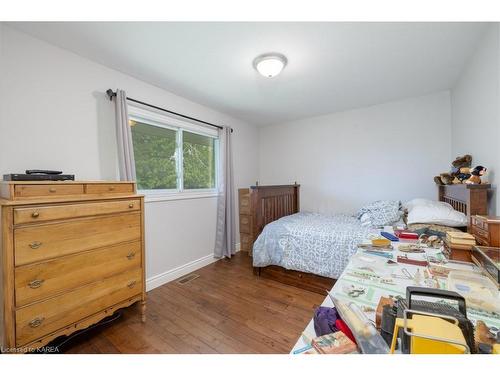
[[247, 236], [72, 253], [486, 230]]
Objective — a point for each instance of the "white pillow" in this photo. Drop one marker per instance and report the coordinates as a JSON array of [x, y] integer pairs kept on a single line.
[[417, 202], [432, 212]]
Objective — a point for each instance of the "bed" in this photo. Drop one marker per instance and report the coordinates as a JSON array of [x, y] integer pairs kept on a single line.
[[310, 242], [310, 250]]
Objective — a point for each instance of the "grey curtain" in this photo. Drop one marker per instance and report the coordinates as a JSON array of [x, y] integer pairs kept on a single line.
[[126, 160], [225, 237]]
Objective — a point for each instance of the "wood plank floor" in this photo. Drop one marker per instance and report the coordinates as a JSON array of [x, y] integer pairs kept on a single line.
[[225, 310]]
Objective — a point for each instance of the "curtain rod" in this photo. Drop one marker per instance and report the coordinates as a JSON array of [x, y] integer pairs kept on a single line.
[[111, 94]]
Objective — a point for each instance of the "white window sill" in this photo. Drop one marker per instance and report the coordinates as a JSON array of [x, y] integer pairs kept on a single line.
[[178, 196]]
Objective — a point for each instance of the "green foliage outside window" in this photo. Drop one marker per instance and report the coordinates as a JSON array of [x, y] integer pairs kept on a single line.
[[155, 162], [198, 161]]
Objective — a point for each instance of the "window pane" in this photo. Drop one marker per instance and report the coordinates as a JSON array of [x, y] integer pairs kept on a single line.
[[154, 152], [198, 161]]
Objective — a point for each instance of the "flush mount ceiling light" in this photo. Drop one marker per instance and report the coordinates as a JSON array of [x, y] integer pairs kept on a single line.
[[270, 64]]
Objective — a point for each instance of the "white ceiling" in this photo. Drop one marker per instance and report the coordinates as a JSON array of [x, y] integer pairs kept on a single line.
[[331, 66]]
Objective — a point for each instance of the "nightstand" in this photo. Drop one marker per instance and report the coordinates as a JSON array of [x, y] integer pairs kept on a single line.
[[486, 230]]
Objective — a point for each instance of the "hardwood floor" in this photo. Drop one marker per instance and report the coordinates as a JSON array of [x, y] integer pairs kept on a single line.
[[226, 310]]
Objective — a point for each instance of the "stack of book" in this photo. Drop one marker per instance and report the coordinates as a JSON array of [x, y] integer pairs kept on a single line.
[[460, 239]]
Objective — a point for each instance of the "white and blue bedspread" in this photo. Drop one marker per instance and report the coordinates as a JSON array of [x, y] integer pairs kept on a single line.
[[309, 242]]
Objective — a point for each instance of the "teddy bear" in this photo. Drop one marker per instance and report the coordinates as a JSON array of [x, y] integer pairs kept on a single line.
[[476, 175], [460, 169], [463, 175]]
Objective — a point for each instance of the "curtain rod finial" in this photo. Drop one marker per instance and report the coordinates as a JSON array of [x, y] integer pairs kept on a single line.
[[110, 94]]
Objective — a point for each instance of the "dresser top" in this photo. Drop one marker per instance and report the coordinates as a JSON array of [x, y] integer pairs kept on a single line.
[[48, 192], [64, 182], [489, 219]]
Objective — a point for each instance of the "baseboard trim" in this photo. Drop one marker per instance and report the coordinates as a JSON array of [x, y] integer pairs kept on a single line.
[[175, 273]]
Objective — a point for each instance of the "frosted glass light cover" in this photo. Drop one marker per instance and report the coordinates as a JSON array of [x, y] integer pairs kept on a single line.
[[270, 65]]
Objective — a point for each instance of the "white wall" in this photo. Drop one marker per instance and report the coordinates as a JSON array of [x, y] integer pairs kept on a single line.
[[55, 116], [475, 103], [342, 160]]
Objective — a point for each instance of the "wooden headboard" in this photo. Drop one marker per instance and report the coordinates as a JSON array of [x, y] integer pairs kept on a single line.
[[269, 203], [466, 198], [261, 205]]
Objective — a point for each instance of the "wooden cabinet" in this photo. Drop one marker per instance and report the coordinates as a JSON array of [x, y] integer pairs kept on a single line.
[[486, 230], [245, 219], [72, 253]]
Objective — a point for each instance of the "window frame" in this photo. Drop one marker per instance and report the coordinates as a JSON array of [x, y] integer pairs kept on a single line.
[[154, 118]]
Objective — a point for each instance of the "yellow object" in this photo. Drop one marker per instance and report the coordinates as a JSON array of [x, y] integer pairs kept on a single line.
[[431, 335], [380, 242], [496, 349]]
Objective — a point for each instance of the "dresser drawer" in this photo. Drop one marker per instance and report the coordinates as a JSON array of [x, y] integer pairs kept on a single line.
[[478, 232], [245, 226], [110, 188], [31, 191], [245, 242], [244, 203], [479, 223], [37, 320], [482, 241], [68, 211], [41, 242], [42, 280]]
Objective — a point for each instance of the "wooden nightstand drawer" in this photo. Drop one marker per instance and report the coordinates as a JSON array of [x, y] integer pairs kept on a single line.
[[49, 190], [245, 242], [51, 240], [110, 188], [36, 320], [482, 241], [480, 222], [42, 280], [35, 214], [245, 224], [244, 201], [478, 232]]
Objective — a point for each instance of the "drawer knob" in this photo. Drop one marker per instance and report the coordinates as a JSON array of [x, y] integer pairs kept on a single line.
[[35, 214], [35, 283], [35, 245], [131, 255], [111, 188], [130, 205], [37, 322], [52, 190], [131, 284]]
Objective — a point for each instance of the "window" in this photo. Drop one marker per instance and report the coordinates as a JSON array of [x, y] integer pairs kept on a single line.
[[154, 153], [172, 156], [198, 161]]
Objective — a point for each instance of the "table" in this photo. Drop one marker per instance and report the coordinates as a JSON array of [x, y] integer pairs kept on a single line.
[[376, 288]]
